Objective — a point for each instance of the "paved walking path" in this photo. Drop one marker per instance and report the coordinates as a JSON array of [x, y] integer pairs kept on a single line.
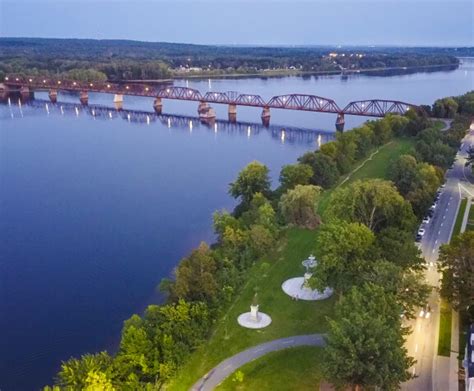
[[214, 377]]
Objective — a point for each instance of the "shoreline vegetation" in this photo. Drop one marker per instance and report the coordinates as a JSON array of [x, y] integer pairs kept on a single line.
[[263, 241], [120, 60]]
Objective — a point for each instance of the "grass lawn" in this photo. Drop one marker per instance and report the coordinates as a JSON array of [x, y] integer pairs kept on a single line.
[[288, 317], [300, 366], [470, 221], [459, 217], [376, 167], [444, 342]]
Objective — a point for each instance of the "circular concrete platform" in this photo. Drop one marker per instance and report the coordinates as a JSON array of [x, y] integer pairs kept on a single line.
[[247, 320], [295, 288]]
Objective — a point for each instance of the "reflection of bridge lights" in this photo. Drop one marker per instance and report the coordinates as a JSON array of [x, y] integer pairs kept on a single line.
[[77, 111], [249, 131], [110, 114], [93, 112], [215, 127], [190, 126], [62, 110], [148, 120], [282, 136], [47, 108], [9, 101], [128, 117], [319, 140], [169, 123]]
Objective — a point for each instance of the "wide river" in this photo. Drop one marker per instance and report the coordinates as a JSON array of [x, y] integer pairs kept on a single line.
[[96, 206]]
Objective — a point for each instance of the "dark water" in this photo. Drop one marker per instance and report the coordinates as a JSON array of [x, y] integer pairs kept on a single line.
[[94, 210]]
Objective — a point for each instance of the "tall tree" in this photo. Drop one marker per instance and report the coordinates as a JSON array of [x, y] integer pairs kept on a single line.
[[374, 203], [295, 174], [365, 343], [325, 171], [251, 180], [298, 206], [456, 263]]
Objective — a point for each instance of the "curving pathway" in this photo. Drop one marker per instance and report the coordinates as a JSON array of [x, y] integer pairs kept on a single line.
[[216, 375]]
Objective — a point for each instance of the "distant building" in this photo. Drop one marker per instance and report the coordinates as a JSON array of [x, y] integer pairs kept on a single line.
[[469, 359]]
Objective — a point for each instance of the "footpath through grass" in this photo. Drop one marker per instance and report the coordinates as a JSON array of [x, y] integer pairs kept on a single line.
[[288, 317], [300, 368]]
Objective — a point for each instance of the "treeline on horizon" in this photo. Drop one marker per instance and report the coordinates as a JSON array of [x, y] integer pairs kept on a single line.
[[377, 266], [124, 60]]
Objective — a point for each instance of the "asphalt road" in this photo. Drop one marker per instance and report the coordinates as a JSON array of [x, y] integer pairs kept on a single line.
[[422, 343], [214, 377]]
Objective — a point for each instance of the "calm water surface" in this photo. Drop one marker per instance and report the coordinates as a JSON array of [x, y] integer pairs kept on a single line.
[[94, 210]]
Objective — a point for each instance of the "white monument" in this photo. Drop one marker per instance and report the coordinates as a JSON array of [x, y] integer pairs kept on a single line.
[[298, 288], [254, 319]]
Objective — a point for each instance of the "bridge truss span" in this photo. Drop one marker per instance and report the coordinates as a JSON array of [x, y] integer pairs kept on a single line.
[[304, 102], [377, 107]]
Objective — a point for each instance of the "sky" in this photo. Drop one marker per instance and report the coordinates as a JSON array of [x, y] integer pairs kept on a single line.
[[260, 22]]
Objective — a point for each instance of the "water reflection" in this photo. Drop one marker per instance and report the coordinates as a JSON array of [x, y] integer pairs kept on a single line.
[[286, 134]]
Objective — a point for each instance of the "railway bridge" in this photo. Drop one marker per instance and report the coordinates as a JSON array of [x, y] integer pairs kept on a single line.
[[304, 102]]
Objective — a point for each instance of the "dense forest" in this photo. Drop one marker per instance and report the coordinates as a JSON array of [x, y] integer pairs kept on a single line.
[[125, 60]]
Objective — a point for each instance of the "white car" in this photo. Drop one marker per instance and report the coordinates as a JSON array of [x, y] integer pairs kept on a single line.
[[426, 220], [421, 232]]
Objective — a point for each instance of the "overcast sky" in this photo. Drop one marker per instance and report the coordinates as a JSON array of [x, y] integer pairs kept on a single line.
[[294, 22]]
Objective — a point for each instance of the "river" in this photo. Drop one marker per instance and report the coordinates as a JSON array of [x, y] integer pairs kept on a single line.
[[96, 206]]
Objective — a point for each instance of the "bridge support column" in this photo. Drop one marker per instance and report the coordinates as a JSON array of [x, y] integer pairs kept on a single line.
[[53, 95], [232, 113], [158, 105], [24, 92], [340, 122], [4, 91], [84, 97], [118, 101], [266, 116], [203, 107]]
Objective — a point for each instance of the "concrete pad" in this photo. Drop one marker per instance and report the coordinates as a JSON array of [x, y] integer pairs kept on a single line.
[[248, 321], [296, 288]]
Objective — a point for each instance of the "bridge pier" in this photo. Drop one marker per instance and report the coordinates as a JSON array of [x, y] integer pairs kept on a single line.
[[203, 107], [157, 105], [24, 92], [266, 116], [84, 97], [118, 101], [340, 122], [53, 95]]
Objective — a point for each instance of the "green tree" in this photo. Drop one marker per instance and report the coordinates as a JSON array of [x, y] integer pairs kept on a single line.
[[403, 173], [456, 263], [74, 373], [295, 174], [365, 344], [344, 251], [374, 203], [298, 206], [251, 180], [196, 276], [325, 171]]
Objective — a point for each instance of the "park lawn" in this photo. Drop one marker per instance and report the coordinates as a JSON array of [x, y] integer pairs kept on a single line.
[[459, 217], [301, 367], [288, 317], [444, 341], [470, 221], [376, 166]]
